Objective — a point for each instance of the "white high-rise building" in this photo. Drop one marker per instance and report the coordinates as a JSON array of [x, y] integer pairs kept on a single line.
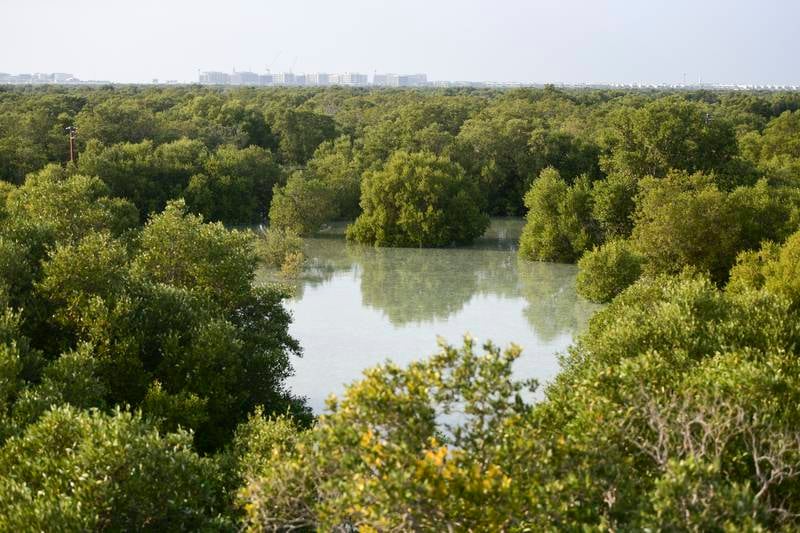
[[283, 78], [244, 78], [351, 79], [214, 78], [317, 79], [412, 80], [404, 80], [382, 80]]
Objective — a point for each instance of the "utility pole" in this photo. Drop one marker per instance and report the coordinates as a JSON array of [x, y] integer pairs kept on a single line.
[[73, 135]]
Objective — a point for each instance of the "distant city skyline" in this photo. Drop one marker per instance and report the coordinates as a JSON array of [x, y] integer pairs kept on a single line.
[[741, 42], [353, 79]]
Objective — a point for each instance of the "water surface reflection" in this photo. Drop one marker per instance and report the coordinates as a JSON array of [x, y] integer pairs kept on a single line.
[[356, 306]]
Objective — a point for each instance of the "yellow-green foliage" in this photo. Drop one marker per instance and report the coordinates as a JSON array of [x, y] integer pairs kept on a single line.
[[774, 268], [421, 448], [687, 421], [606, 271], [279, 246], [86, 471]]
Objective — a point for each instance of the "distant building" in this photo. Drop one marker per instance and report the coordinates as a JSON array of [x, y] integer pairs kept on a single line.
[[351, 79], [318, 79], [383, 80], [412, 80], [244, 78], [283, 78], [62, 77], [214, 78], [395, 80]]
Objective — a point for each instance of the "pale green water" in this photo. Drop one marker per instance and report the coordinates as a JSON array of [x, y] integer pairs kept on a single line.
[[356, 306]]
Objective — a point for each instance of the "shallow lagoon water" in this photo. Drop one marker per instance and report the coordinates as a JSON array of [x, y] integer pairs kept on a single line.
[[356, 306]]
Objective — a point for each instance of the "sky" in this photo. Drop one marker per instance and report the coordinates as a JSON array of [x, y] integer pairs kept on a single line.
[[533, 41]]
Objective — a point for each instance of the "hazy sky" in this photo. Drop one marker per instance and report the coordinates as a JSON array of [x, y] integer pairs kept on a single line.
[[724, 41]]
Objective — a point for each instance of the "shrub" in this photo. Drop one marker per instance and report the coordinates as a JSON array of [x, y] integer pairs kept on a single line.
[[418, 200], [302, 205], [606, 271], [89, 471], [278, 245], [774, 268], [559, 225], [389, 456]]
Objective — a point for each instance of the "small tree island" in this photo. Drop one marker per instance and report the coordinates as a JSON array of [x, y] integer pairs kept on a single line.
[[418, 200]]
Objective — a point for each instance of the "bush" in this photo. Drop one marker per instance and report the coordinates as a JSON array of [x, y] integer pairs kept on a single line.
[[606, 271], [278, 245], [418, 200], [302, 205], [687, 221], [389, 456], [613, 204], [559, 225], [87, 471], [774, 268]]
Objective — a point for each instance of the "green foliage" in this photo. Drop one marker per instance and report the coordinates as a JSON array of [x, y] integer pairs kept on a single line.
[[230, 184], [302, 205], [70, 206], [668, 133], [71, 379], [327, 189], [117, 120], [667, 397], [392, 453], [774, 268], [165, 318], [606, 271], [418, 199], [559, 225], [686, 221], [338, 165], [301, 132], [776, 150], [509, 143], [235, 186], [146, 174], [676, 410], [76, 470], [279, 245], [178, 249], [259, 440], [613, 204], [693, 495]]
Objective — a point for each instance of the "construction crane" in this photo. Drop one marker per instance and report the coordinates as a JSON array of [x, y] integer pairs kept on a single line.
[[272, 63]]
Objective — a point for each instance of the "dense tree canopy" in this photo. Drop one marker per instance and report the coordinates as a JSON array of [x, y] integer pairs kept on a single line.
[[142, 371]]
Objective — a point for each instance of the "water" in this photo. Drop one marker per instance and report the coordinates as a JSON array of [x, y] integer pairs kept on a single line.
[[356, 306]]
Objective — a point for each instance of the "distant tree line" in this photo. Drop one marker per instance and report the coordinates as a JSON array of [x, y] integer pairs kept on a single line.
[[229, 152]]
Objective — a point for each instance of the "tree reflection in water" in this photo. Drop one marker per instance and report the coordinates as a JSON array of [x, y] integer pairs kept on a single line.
[[418, 286]]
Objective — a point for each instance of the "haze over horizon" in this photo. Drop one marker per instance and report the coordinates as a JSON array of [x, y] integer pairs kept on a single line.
[[569, 41]]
